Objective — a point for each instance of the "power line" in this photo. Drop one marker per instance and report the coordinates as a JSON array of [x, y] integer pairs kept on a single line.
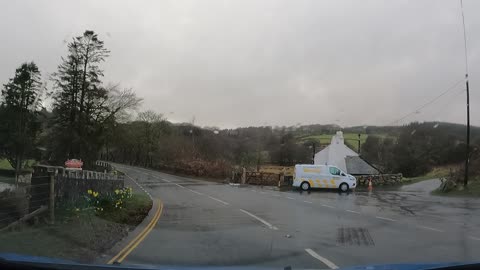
[[427, 103], [445, 105]]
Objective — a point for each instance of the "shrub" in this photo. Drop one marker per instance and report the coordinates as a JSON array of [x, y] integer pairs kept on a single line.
[[108, 201]]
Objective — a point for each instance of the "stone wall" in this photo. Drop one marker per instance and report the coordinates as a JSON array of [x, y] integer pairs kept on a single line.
[[70, 190], [380, 179], [263, 179], [72, 185]]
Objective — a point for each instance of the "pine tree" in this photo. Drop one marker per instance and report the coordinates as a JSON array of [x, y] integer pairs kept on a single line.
[[79, 94], [20, 101]]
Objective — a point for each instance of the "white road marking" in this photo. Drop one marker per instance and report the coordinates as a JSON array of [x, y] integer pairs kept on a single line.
[[261, 192], [150, 196], [322, 259], [218, 200], [430, 228], [384, 218], [325, 205], [158, 177], [290, 198], [351, 211], [275, 195], [196, 192], [260, 219], [168, 181], [307, 202], [474, 238], [178, 185]]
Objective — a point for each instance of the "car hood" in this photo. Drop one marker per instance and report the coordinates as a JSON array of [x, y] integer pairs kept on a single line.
[[53, 263]]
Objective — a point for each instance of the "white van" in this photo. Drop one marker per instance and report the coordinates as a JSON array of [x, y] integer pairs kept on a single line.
[[308, 176]]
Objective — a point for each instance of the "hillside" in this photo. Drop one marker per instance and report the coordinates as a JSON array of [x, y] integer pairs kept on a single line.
[[351, 139]]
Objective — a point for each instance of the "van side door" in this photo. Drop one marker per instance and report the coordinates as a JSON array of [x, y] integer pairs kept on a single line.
[[335, 180]]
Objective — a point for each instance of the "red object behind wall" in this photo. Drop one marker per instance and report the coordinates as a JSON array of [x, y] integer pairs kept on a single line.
[[74, 163]]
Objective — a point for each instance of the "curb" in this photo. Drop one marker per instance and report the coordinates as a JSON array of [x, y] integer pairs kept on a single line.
[[128, 243], [125, 245]]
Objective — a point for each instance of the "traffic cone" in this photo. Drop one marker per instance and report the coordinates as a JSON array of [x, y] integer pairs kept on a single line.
[[370, 186]]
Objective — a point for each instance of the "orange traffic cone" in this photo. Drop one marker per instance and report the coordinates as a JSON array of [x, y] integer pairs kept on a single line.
[[370, 186]]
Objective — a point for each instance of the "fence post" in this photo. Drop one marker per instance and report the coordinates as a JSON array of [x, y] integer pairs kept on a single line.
[[51, 202], [244, 175]]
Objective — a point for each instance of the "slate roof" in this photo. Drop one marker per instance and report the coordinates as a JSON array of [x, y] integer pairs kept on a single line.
[[357, 166]]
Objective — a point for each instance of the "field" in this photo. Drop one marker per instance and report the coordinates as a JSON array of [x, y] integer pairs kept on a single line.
[[5, 165], [351, 139]]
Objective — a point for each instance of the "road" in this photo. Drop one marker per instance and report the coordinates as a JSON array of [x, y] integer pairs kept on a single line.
[[205, 223]]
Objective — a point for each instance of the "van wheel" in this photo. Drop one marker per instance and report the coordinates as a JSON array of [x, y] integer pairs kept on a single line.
[[344, 187], [305, 186]]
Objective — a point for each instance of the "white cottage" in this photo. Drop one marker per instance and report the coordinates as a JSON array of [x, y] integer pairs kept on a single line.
[[340, 155]]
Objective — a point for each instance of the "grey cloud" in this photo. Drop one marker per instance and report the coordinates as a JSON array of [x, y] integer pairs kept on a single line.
[[239, 63]]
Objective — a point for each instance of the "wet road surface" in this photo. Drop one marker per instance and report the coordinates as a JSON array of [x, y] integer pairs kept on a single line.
[[205, 224]]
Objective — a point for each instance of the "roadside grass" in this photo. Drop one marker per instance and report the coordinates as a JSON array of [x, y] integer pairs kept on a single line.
[[135, 210], [473, 190], [436, 172], [78, 235]]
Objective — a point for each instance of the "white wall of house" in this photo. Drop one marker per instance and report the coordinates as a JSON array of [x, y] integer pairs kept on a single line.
[[335, 153]]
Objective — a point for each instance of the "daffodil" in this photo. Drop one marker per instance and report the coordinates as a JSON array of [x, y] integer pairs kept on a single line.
[[117, 191], [89, 191], [95, 194]]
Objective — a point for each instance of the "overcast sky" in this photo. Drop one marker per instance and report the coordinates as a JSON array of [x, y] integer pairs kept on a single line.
[[259, 62]]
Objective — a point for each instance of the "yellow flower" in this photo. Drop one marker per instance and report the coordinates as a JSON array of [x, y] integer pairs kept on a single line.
[[95, 194], [89, 191], [117, 191], [76, 209]]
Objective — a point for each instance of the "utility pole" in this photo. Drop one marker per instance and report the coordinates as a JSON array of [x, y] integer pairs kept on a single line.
[[467, 150], [313, 153], [467, 154], [359, 143]]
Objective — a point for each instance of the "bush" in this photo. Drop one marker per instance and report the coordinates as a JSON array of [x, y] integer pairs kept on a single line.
[[199, 167], [13, 205]]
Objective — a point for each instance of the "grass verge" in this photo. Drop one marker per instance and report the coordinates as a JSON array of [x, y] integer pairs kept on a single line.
[[79, 235], [5, 165], [473, 190], [436, 172]]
